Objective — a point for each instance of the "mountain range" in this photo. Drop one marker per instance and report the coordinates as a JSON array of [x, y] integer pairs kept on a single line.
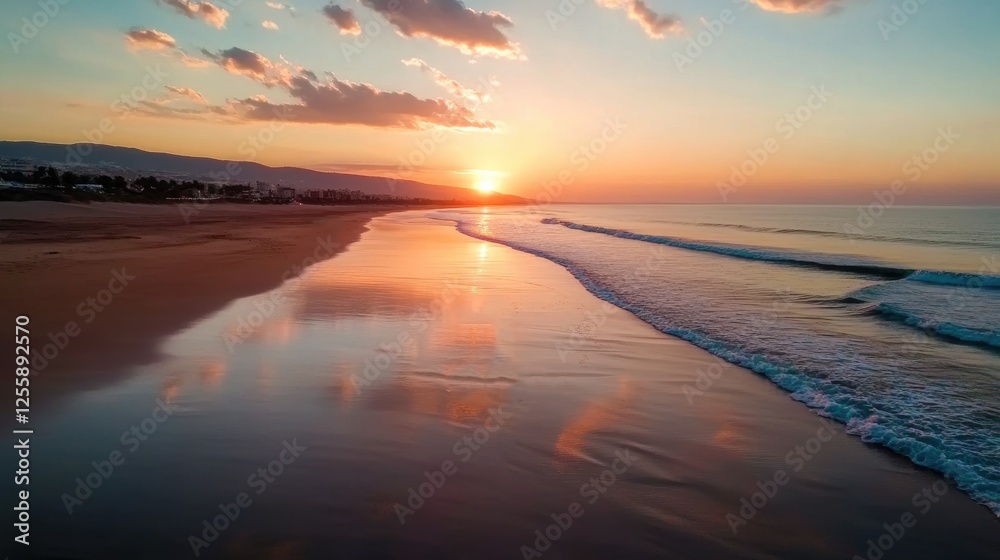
[[141, 162]]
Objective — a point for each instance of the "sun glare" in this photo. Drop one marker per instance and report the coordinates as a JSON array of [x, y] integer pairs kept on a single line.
[[486, 184], [485, 181]]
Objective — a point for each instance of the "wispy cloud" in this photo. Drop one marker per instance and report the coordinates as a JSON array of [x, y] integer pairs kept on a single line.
[[343, 18], [268, 24], [187, 93], [797, 6], [451, 23], [655, 25], [280, 6], [193, 61], [210, 13], [453, 86], [153, 40]]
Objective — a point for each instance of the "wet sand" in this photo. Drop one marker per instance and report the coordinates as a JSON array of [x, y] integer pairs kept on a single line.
[[530, 419], [63, 263]]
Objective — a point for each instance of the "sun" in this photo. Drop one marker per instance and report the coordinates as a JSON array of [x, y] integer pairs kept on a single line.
[[484, 180], [486, 184]]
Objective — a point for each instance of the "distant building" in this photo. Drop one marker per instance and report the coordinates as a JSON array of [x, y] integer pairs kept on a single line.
[[24, 165], [91, 187], [286, 192]]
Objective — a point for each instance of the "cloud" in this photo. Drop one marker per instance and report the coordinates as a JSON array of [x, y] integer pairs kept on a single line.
[[655, 25], [193, 61], [344, 19], [280, 6], [796, 6], [453, 86], [329, 101], [212, 14], [451, 23], [162, 108], [151, 39], [188, 93], [252, 65], [268, 24], [335, 101], [341, 102]]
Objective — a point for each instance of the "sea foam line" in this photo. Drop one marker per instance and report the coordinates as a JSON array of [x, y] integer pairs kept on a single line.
[[823, 397], [810, 260]]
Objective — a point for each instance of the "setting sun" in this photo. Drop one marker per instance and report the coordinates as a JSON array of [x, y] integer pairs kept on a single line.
[[486, 184], [485, 181]]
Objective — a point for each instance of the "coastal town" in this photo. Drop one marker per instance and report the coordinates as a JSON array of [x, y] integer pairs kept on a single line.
[[29, 179]]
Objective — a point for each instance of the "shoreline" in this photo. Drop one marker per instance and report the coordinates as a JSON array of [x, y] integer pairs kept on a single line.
[[104, 284], [737, 470]]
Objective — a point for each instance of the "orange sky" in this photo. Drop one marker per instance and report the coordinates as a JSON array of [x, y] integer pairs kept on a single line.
[[818, 100]]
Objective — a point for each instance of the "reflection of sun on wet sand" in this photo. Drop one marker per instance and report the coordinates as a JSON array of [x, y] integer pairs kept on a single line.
[[490, 348], [213, 372], [455, 378], [57, 255]]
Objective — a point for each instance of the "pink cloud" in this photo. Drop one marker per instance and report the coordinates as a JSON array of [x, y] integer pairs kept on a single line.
[[347, 103], [252, 65], [451, 23], [151, 39], [796, 6], [343, 18], [655, 25], [193, 61], [453, 86], [333, 101], [187, 93], [210, 13]]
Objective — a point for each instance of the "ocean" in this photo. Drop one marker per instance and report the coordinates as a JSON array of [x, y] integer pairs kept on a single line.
[[887, 320], [573, 381]]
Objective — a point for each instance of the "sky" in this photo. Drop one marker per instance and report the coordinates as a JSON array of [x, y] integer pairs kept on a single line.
[[736, 101]]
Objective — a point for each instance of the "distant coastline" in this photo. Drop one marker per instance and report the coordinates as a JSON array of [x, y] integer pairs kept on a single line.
[[122, 174]]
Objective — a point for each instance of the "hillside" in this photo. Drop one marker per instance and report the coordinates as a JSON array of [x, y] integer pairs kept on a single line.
[[151, 163]]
